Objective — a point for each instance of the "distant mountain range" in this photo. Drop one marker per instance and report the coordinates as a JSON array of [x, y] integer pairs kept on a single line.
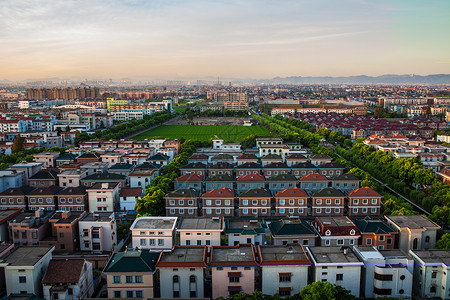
[[435, 79]]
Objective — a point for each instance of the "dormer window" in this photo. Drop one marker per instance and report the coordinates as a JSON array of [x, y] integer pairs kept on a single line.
[[352, 232], [328, 232]]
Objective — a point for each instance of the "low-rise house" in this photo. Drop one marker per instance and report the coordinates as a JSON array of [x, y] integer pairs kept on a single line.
[[47, 158], [10, 179], [135, 158], [98, 232], [246, 158], [131, 274], [27, 229], [219, 181], [301, 169], [5, 216], [27, 168], [44, 179], [15, 197], [319, 159], [245, 231], [247, 169], [416, 232], [430, 273], [293, 230], [141, 178], [255, 202], [233, 270], [153, 233], [386, 273], [222, 157], [60, 283], [186, 181], [376, 233], [345, 182], [89, 157], [218, 203], [284, 269], [198, 158], [336, 231], [91, 180], [281, 182], [327, 202], [291, 202], [182, 272], [200, 231], [330, 169], [267, 159], [95, 167], [24, 269], [65, 158], [295, 158], [73, 199], [159, 159], [191, 168], [337, 265], [43, 198], [182, 203], [129, 197], [364, 202], [274, 169], [251, 181], [280, 150], [71, 177], [111, 158], [313, 182], [121, 169], [220, 168], [103, 196]]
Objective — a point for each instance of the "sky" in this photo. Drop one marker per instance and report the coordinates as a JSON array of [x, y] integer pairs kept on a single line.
[[176, 39]]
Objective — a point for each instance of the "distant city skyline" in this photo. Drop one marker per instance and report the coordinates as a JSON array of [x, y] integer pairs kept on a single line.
[[233, 39]]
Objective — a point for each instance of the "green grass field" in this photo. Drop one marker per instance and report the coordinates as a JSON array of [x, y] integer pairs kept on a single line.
[[204, 132]]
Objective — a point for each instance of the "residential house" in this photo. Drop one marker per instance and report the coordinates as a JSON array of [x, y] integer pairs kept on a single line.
[[153, 233], [251, 181], [142, 178], [295, 158], [112, 158], [319, 159], [292, 230], [364, 202], [416, 232], [376, 233], [327, 202], [182, 203], [65, 158], [159, 159], [73, 199], [233, 270], [45, 198], [47, 158], [98, 232], [60, 284], [129, 197], [28, 169], [27, 229], [222, 157], [200, 231], [24, 269], [313, 182], [337, 265], [121, 169], [103, 196], [186, 181], [94, 167], [44, 179], [386, 273], [281, 182], [5, 216], [291, 202], [247, 168], [218, 203], [220, 168], [245, 231], [255, 202], [274, 169], [301, 169], [10, 179], [336, 231], [135, 158], [246, 158], [430, 279], [182, 272], [284, 269], [345, 182], [15, 197], [198, 158], [268, 159], [330, 169], [132, 274], [93, 179], [89, 157], [71, 177], [280, 150], [198, 168], [213, 182]]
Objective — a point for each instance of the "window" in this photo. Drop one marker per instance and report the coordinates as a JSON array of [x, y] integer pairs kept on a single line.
[[175, 279], [117, 294], [319, 201], [139, 294], [160, 242], [285, 277], [340, 242], [383, 277], [116, 279], [171, 202], [318, 210], [300, 202], [355, 210], [433, 274], [327, 242], [129, 279], [339, 277], [176, 294], [22, 279], [233, 278], [129, 294], [193, 294], [374, 201], [245, 211], [244, 202], [355, 201], [181, 202], [208, 202], [281, 202], [192, 278], [328, 210], [389, 241], [281, 210], [138, 279], [369, 241], [227, 202], [373, 210], [328, 201]]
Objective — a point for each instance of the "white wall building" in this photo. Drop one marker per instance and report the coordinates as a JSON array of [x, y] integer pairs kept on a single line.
[[153, 233], [98, 232], [200, 231]]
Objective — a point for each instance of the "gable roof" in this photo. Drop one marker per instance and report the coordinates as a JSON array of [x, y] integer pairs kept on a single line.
[[131, 192], [58, 271], [331, 165], [276, 165], [304, 165], [45, 175], [20, 191], [220, 177], [104, 176], [79, 190], [328, 192], [368, 225], [364, 191], [198, 156], [252, 177], [50, 191], [194, 165], [249, 165], [133, 261], [292, 192], [183, 193], [345, 177], [189, 177], [271, 157], [223, 192], [290, 227], [256, 193], [314, 177], [283, 177]]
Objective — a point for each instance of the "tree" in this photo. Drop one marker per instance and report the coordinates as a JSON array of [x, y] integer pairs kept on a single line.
[[17, 144], [378, 112], [319, 290], [444, 242]]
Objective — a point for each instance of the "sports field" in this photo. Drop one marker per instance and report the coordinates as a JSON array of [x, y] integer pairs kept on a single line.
[[204, 132]]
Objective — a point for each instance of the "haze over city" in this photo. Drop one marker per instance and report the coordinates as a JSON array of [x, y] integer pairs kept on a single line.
[[234, 39]]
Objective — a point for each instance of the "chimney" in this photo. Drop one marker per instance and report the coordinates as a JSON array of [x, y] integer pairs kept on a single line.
[[105, 185], [39, 212], [65, 214]]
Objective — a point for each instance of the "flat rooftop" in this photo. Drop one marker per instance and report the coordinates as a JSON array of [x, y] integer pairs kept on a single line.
[[234, 253], [26, 256], [154, 223], [201, 224], [394, 253], [327, 255], [184, 254], [413, 222], [434, 256], [284, 253], [245, 223], [6, 214], [335, 221], [98, 216]]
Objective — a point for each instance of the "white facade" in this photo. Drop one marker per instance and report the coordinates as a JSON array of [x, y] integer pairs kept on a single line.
[[237, 238], [200, 231], [153, 233], [103, 197], [271, 282], [98, 232], [10, 179], [184, 287], [387, 273]]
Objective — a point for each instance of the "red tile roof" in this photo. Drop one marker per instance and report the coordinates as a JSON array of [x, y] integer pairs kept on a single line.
[[252, 177], [314, 177], [223, 192], [130, 192], [292, 192], [63, 271], [364, 191], [189, 177]]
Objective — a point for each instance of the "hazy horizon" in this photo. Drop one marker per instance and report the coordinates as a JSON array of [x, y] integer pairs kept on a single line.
[[154, 40]]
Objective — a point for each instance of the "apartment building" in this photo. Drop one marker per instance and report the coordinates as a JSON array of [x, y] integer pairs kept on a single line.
[[103, 196], [98, 232], [291, 202], [153, 233], [336, 231], [218, 203], [73, 199], [255, 202], [14, 198], [182, 203], [292, 230], [200, 231], [364, 202], [245, 231], [27, 229], [250, 181], [328, 202]]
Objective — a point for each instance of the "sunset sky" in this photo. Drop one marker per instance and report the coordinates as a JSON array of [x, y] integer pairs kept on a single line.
[[164, 39]]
